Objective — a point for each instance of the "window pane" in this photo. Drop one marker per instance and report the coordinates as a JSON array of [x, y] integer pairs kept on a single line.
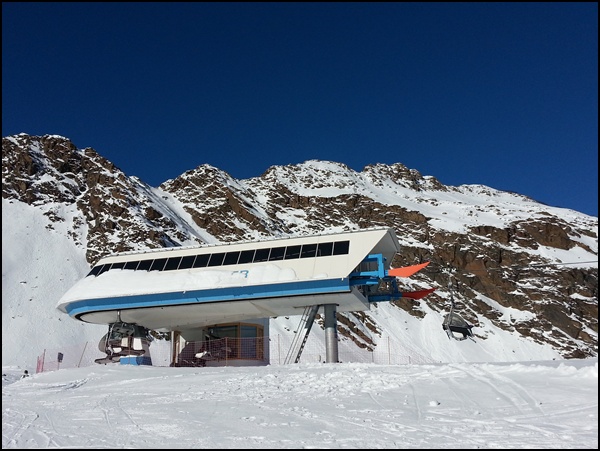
[[131, 265], [172, 263], [292, 252], [144, 265], [201, 260], [246, 257], [277, 253], [158, 264], [248, 342], [187, 262], [118, 265], [341, 247], [249, 331], [308, 250], [223, 332], [95, 270], [324, 249], [216, 259], [104, 268], [262, 255], [231, 258]]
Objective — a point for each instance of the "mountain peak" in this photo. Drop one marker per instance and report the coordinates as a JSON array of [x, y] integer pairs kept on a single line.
[[522, 268]]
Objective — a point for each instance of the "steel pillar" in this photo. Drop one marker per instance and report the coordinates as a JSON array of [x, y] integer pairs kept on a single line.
[[331, 339]]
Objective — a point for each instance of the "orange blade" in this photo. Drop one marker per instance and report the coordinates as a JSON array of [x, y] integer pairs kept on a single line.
[[417, 294], [407, 271]]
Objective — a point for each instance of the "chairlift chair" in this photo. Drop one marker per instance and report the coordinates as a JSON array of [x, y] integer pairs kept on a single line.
[[122, 339], [456, 326]]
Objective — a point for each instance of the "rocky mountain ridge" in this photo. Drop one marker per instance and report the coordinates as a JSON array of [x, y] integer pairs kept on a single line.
[[484, 244]]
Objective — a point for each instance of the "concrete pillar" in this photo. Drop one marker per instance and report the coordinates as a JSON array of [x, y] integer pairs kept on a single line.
[[331, 339]]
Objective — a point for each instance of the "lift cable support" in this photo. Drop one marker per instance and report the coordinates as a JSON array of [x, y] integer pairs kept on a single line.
[[301, 335]]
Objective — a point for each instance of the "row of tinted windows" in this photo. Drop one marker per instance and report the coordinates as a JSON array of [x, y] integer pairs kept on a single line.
[[230, 258]]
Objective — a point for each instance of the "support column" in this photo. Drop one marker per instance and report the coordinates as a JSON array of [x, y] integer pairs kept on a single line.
[[331, 339], [175, 347]]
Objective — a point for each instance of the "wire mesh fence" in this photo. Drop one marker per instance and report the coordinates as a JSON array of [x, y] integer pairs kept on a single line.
[[68, 357], [387, 352], [221, 352], [237, 352]]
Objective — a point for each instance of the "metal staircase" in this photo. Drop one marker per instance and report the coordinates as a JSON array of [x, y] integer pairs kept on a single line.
[[301, 335]]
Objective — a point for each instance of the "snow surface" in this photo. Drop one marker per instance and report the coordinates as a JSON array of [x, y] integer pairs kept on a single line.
[[531, 405]]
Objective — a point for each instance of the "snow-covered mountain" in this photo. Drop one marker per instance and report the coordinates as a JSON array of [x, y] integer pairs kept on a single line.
[[524, 274]]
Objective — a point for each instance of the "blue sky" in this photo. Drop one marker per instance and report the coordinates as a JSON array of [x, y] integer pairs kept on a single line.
[[499, 94]]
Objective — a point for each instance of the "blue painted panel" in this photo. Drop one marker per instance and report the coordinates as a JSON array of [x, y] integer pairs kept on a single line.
[[135, 360]]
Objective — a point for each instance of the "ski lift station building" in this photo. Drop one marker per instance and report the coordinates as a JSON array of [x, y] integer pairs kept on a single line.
[[231, 290]]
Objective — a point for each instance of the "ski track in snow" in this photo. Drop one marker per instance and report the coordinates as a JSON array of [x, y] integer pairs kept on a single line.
[[456, 406]]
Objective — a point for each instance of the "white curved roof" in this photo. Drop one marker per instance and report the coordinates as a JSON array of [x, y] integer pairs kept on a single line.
[[192, 296]]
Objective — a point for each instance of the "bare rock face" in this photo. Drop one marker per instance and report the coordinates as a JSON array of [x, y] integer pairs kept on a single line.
[[497, 259], [120, 213]]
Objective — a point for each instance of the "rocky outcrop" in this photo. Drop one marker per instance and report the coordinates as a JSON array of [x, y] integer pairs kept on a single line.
[[114, 212]]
